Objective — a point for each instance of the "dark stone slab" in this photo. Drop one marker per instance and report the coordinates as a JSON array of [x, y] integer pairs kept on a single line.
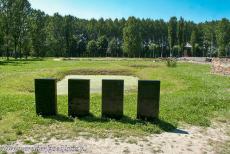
[[46, 97], [78, 97], [112, 98], [148, 100]]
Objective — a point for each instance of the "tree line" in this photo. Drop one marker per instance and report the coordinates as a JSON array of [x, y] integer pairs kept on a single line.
[[25, 32]]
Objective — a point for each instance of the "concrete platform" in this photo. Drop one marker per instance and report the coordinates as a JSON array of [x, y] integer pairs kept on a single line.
[[96, 82]]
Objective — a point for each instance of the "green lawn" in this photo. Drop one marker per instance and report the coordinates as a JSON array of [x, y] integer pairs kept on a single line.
[[189, 94]]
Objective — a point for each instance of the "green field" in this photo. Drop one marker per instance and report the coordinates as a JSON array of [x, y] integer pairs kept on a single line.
[[189, 94]]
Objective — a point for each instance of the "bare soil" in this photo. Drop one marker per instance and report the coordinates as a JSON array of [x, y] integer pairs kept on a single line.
[[188, 139]]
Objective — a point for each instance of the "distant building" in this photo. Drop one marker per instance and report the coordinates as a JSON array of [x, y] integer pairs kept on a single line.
[[188, 50]]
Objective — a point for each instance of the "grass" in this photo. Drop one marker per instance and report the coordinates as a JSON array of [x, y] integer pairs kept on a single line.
[[189, 94]]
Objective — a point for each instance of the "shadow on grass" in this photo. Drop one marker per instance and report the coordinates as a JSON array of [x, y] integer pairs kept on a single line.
[[179, 131], [60, 118], [127, 120], [163, 125], [17, 62]]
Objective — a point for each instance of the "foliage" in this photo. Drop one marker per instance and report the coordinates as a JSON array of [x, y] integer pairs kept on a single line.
[[154, 48], [132, 38], [172, 33], [102, 45], [176, 50], [223, 37], [171, 62], [114, 48], [92, 48], [28, 32], [181, 36], [37, 32]]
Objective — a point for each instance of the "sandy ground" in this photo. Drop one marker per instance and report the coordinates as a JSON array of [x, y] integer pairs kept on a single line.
[[130, 82], [188, 140]]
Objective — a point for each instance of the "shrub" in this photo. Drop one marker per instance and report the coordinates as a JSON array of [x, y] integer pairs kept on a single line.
[[18, 132], [171, 62]]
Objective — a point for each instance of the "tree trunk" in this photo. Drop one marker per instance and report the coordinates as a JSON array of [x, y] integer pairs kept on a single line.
[[15, 51], [7, 51], [20, 51]]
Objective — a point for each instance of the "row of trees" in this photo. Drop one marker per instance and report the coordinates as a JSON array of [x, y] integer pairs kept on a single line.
[[28, 32]]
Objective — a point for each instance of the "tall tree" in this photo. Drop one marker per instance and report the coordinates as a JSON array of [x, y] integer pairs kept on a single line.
[[92, 48], [154, 48], [132, 38], [114, 48], [223, 37], [172, 33], [38, 34], [80, 42], [194, 41], [1, 36], [180, 36], [56, 36], [102, 45], [69, 35], [20, 13], [6, 12], [209, 39]]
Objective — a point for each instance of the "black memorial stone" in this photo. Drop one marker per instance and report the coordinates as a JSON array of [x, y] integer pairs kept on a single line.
[[112, 98], [46, 97], [148, 100], [78, 97]]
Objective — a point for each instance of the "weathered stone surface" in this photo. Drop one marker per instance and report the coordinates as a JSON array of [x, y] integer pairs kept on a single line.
[[148, 99], [78, 97], [112, 98], [221, 66], [46, 97]]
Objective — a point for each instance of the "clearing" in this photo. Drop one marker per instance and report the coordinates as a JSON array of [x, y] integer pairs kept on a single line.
[[190, 96]]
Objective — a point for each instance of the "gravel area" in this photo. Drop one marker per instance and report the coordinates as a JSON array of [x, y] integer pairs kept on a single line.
[[184, 140]]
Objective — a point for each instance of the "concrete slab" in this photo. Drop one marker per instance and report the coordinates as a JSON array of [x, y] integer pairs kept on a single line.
[[130, 82]]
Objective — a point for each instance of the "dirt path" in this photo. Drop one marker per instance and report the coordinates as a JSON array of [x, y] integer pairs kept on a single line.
[[190, 139]]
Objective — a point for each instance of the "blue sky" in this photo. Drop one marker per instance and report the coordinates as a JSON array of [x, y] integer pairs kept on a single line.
[[196, 10]]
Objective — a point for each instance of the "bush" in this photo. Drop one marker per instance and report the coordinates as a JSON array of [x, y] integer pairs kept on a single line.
[[171, 62]]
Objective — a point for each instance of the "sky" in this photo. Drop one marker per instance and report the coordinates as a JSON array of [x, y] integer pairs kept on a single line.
[[195, 10]]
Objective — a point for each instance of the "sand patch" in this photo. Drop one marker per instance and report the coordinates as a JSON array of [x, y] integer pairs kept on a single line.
[[130, 82]]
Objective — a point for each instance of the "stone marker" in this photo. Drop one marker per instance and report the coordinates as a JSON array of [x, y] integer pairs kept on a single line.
[[78, 97], [46, 97], [112, 98], [148, 100]]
